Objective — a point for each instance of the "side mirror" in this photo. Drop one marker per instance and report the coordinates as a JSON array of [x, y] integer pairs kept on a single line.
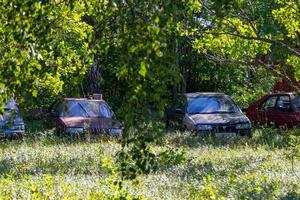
[[179, 111]]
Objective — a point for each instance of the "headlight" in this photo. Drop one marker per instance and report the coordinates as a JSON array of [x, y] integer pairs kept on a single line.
[[243, 126], [204, 127], [18, 127], [74, 130], [115, 131]]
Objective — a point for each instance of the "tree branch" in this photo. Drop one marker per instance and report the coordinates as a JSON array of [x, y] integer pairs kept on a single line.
[[270, 41]]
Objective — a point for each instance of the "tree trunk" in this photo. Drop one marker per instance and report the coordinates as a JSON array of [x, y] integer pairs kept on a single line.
[[94, 78]]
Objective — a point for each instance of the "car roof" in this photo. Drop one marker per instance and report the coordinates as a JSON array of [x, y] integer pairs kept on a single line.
[[83, 99], [199, 94]]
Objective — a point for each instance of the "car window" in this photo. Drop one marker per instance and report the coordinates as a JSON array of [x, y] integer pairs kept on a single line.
[[270, 103], [9, 113], [75, 108], [105, 111], [283, 103], [96, 109], [11, 104], [57, 108], [296, 102], [211, 104]]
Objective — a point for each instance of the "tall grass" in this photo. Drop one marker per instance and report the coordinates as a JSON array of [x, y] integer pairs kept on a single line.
[[44, 166]]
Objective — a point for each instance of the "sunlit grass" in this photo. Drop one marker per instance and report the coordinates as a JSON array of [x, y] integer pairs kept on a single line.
[[45, 166]]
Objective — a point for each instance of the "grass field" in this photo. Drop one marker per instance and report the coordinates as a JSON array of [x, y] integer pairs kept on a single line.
[[43, 166]]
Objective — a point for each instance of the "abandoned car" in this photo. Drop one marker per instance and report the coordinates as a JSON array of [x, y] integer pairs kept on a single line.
[[11, 123], [76, 116], [280, 110], [206, 113]]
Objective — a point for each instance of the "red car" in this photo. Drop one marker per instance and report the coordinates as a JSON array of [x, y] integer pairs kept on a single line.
[[281, 110], [76, 116]]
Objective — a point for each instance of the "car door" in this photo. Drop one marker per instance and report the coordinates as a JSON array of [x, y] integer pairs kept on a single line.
[[53, 117], [266, 111], [284, 115]]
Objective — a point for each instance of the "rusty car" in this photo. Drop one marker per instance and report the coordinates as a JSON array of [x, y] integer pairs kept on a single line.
[[204, 113], [77, 116]]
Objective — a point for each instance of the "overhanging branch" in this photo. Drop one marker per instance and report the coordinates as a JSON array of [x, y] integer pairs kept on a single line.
[[270, 41]]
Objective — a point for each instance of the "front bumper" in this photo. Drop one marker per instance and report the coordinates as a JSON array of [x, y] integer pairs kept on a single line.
[[110, 131], [11, 133], [223, 129]]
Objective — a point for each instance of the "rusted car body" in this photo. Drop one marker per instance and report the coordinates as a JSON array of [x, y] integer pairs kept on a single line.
[[11, 123], [206, 113], [280, 110], [76, 116]]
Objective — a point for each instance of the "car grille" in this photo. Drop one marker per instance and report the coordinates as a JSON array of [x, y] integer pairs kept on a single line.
[[5, 127], [96, 130], [224, 128], [221, 128]]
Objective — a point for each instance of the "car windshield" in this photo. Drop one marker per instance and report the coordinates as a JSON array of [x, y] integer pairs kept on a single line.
[[211, 104], [86, 109], [9, 113]]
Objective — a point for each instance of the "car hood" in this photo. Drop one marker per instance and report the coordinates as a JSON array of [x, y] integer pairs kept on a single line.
[[219, 118], [87, 122]]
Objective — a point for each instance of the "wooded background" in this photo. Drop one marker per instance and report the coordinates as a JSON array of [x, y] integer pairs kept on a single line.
[[144, 52]]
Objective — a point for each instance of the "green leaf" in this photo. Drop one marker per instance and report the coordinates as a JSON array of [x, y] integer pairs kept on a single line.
[[143, 69]]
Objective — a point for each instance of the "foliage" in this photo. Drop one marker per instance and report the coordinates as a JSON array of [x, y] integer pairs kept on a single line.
[[44, 49], [172, 156], [251, 33], [148, 51], [136, 156], [294, 142], [134, 43]]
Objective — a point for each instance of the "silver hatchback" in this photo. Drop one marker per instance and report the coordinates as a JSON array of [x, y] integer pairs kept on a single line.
[[11, 123]]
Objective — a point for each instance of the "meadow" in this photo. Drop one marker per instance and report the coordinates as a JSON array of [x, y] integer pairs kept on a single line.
[[43, 166]]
